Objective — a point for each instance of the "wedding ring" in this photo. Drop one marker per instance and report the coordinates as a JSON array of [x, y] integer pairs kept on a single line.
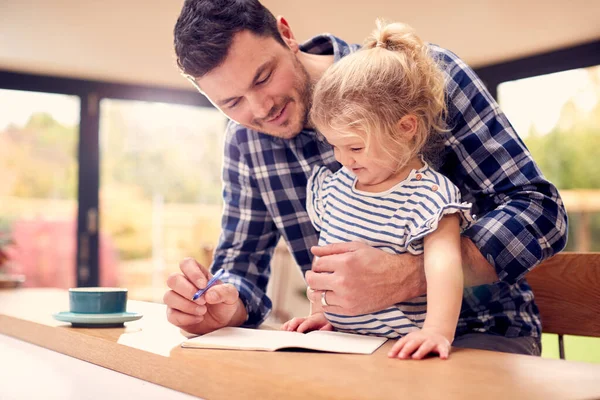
[[323, 300]]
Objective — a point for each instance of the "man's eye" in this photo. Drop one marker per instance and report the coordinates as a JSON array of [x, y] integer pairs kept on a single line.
[[264, 80], [232, 105], [356, 149]]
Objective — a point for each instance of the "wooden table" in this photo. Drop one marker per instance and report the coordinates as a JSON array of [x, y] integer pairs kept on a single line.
[[149, 349]]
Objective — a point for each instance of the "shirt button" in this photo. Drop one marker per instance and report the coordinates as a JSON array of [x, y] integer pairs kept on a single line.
[[434, 188], [418, 177]]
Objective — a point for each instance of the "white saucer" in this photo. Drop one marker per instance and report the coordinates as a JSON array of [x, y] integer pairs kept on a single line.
[[81, 320]]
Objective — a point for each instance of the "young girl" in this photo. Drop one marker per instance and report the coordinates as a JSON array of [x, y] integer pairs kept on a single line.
[[379, 108]]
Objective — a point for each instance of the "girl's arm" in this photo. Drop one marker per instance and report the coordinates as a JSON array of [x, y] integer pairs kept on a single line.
[[444, 275], [443, 272]]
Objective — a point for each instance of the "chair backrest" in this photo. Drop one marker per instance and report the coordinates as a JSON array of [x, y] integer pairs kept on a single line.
[[567, 292]]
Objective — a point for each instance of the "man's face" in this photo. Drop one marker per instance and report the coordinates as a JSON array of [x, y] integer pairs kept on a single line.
[[261, 85]]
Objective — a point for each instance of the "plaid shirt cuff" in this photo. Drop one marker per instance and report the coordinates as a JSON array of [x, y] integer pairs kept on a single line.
[[506, 244], [258, 305]]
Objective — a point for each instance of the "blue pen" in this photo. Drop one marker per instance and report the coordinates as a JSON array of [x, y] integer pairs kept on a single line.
[[211, 282]]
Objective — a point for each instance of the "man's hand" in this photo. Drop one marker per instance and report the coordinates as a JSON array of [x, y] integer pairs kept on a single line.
[[360, 279], [220, 306], [476, 269]]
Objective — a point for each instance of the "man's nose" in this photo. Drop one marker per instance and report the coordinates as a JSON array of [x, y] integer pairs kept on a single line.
[[260, 105]]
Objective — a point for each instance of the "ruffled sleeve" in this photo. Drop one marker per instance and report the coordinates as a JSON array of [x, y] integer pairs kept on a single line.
[[316, 195], [447, 201]]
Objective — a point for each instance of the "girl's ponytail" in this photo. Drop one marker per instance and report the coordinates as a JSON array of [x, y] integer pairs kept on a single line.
[[395, 37]]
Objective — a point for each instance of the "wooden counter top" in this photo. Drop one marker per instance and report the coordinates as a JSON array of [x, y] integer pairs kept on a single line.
[[149, 349]]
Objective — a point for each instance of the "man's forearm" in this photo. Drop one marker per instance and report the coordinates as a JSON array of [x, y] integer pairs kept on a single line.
[[476, 269], [409, 274]]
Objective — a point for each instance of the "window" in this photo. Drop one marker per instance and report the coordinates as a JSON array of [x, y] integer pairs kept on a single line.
[[49, 169], [160, 190], [558, 117], [38, 192]]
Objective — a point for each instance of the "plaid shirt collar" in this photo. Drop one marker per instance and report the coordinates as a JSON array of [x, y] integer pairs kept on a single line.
[[327, 44]]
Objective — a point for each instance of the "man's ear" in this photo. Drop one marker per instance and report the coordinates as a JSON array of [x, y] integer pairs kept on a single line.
[[407, 126], [286, 34]]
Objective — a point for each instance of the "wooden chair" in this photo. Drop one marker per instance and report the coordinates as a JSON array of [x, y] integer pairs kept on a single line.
[[567, 292]]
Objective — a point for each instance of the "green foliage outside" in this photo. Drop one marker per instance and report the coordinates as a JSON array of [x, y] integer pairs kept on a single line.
[[577, 348], [38, 160], [568, 156], [178, 164], [182, 165]]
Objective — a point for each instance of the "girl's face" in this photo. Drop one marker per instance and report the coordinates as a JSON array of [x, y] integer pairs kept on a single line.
[[375, 170]]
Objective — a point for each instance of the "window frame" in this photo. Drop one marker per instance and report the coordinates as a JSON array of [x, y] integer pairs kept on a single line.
[[90, 93], [579, 56]]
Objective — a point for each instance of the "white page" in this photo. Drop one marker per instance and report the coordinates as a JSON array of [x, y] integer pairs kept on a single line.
[[344, 342], [248, 339], [253, 339]]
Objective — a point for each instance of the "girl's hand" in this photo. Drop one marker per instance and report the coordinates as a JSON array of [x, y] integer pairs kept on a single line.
[[419, 344], [314, 322]]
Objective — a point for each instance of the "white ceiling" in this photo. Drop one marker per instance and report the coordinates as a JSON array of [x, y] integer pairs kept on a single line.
[[131, 41]]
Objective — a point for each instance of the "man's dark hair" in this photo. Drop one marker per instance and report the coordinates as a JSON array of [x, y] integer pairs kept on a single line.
[[205, 29]]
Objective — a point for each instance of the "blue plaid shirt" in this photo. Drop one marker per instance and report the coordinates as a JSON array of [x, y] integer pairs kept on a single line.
[[521, 218]]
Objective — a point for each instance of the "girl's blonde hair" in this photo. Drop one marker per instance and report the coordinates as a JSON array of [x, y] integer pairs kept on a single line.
[[369, 91]]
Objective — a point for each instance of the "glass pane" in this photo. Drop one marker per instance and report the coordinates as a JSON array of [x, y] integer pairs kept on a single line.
[[160, 190], [558, 117], [38, 196]]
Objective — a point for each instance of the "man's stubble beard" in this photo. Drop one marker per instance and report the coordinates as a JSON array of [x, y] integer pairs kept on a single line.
[[306, 97], [304, 88]]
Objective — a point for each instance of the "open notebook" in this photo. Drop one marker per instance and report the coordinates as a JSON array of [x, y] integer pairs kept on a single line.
[[268, 340]]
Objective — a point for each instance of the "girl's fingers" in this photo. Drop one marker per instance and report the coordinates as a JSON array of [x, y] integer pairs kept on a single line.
[[410, 348], [306, 326], [443, 351], [327, 327], [397, 347], [294, 323], [425, 348]]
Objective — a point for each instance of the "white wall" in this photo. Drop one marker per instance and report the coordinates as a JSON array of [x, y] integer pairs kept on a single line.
[[131, 40], [115, 40], [480, 31]]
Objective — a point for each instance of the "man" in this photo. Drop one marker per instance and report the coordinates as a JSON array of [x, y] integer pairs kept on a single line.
[[250, 66]]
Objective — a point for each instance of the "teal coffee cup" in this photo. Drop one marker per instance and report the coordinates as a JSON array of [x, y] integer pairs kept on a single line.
[[97, 300]]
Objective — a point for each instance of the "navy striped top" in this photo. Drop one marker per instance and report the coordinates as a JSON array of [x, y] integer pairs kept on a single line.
[[395, 221]]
